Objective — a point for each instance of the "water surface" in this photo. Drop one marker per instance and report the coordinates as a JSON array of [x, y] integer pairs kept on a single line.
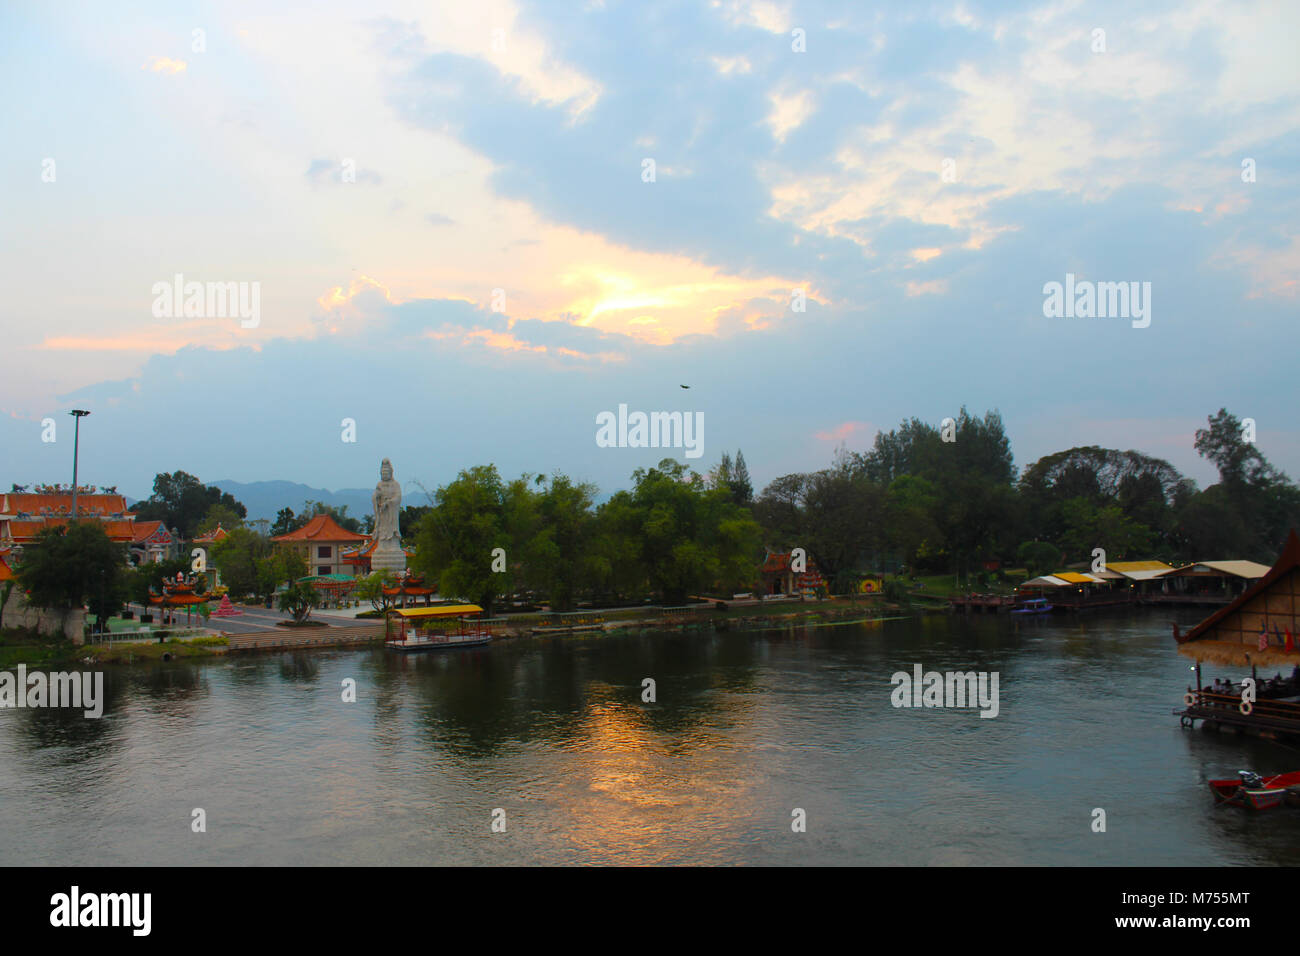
[[747, 726]]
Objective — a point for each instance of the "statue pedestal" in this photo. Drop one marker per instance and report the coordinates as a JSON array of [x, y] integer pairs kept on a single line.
[[388, 559]]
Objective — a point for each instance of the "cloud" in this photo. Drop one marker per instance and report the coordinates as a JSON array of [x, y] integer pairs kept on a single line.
[[163, 64], [342, 172], [845, 431]]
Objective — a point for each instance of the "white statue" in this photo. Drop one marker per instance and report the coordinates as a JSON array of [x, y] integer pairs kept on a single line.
[[387, 502]]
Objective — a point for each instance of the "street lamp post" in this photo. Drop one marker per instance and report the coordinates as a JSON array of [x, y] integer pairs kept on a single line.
[[78, 414]]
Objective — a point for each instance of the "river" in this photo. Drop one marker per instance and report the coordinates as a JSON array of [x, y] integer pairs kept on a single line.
[[550, 738]]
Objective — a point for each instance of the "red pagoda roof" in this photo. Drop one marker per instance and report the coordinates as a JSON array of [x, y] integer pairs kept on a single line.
[[321, 528], [36, 504], [217, 534]]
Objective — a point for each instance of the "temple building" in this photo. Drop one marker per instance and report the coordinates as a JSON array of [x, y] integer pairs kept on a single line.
[[779, 578], [321, 541], [152, 543], [25, 515]]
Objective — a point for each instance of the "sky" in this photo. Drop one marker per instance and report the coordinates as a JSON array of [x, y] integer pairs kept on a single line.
[[470, 229]]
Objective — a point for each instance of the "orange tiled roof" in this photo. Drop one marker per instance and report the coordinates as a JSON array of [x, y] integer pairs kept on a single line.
[[6, 573], [14, 502], [119, 530], [217, 534], [144, 530], [320, 528]]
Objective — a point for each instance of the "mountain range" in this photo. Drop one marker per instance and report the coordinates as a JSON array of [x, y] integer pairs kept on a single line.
[[264, 499]]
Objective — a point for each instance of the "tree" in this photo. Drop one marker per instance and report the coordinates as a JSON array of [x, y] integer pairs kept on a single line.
[[679, 535], [560, 555], [181, 501], [910, 529], [371, 588], [741, 487], [456, 538], [220, 515], [408, 519], [238, 557], [1258, 501], [842, 522], [74, 565], [298, 599], [310, 509], [1039, 557], [283, 565], [285, 523]]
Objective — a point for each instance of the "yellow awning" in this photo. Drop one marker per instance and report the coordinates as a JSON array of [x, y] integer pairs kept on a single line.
[[442, 610], [1074, 577]]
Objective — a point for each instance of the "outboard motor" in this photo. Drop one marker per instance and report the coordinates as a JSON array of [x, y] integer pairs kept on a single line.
[[1250, 779]]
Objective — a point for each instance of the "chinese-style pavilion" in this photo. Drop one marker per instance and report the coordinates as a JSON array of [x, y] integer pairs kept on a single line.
[[407, 587]]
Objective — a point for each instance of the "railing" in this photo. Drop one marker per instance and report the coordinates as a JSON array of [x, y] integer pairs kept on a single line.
[[1230, 707]]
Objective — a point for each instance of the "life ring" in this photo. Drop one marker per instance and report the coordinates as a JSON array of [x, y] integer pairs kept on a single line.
[[1246, 707], [1189, 698]]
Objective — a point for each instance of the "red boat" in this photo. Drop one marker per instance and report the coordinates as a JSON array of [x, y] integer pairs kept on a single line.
[[1254, 792]]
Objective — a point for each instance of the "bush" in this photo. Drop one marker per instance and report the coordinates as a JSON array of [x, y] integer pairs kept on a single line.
[[210, 642], [895, 590]]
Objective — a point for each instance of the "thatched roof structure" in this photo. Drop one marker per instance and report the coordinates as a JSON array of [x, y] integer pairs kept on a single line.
[[1267, 611]]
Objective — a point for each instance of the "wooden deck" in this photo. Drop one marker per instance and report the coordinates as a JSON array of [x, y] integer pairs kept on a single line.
[[982, 603], [307, 637], [1268, 718]]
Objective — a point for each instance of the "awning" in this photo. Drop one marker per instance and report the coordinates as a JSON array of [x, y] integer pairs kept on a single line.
[[443, 610]]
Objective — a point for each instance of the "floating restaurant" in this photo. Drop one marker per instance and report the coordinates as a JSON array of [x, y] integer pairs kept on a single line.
[[1260, 628]]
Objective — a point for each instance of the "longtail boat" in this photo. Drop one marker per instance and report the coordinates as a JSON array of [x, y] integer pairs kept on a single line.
[[1254, 792]]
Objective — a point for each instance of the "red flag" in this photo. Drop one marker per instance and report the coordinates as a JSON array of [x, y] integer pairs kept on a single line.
[[1263, 639], [1290, 641]]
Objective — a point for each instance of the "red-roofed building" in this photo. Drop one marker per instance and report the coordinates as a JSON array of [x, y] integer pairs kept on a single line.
[[321, 542], [779, 578], [24, 516], [212, 537], [152, 543]]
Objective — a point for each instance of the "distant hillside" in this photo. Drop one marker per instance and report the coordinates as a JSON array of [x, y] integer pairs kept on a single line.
[[264, 499]]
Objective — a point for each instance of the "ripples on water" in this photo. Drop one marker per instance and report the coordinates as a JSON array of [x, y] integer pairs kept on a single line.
[[747, 726]]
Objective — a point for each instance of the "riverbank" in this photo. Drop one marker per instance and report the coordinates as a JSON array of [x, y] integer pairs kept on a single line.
[[19, 646]]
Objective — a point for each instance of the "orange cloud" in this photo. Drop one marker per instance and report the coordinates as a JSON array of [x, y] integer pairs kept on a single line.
[[843, 431], [163, 64]]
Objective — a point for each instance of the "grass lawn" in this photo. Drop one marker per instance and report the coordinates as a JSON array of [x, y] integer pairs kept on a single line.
[[18, 645]]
